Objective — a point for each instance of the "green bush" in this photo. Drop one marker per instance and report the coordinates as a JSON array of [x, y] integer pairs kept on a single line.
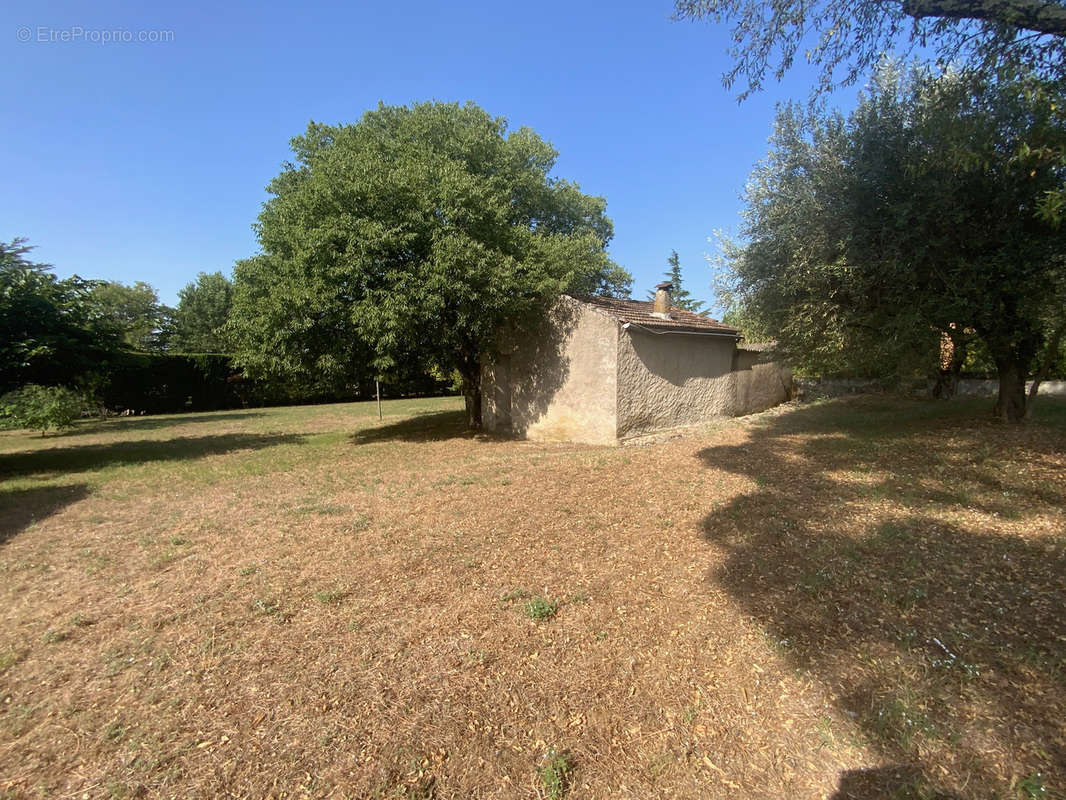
[[41, 408]]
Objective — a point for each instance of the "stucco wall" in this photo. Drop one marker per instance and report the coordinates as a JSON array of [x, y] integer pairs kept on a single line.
[[669, 380], [557, 383], [760, 384]]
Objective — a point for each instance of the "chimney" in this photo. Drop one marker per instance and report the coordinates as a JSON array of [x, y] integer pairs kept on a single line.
[[661, 305]]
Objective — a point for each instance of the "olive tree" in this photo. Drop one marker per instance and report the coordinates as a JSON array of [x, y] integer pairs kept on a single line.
[[870, 236]]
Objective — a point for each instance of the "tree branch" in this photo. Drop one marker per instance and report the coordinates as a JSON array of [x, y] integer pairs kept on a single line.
[[1043, 16]]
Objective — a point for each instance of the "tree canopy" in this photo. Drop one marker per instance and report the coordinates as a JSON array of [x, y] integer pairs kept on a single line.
[[846, 39], [871, 236], [411, 238], [49, 333], [134, 312], [203, 309]]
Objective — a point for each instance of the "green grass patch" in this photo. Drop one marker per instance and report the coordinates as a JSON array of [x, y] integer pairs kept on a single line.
[[555, 774], [539, 608]]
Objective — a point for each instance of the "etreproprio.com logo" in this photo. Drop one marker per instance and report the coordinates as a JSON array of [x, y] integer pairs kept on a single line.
[[45, 34]]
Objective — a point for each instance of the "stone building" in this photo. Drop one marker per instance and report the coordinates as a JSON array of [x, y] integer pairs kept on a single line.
[[601, 370]]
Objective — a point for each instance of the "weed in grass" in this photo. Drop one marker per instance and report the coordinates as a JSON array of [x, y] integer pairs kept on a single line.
[[909, 599], [359, 523], [117, 790], [330, 597], [8, 659], [81, 621], [321, 509], [251, 569], [539, 608], [52, 636], [266, 606], [555, 773], [165, 559], [658, 765], [1032, 787], [515, 594], [475, 657], [900, 721], [18, 719], [580, 597], [893, 533], [114, 732], [94, 561], [824, 727], [817, 582], [159, 662], [116, 661], [178, 541]]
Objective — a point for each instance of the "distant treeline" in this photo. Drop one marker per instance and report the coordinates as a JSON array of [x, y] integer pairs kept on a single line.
[[116, 348]]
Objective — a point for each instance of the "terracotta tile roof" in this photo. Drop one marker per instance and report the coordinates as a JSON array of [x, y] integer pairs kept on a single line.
[[638, 312]]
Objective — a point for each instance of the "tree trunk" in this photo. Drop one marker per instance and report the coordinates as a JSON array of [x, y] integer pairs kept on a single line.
[[471, 375], [947, 381], [1045, 368], [1010, 406]]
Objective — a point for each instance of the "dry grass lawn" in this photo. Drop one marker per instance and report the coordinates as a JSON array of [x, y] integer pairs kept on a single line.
[[852, 599]]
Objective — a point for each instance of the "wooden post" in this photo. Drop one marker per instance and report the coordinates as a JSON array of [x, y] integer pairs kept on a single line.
[[377, 387]]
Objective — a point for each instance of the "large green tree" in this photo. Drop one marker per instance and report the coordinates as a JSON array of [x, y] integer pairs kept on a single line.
[[411, 238], [869, 237], [134, 312], [203, 308], [49, 333]]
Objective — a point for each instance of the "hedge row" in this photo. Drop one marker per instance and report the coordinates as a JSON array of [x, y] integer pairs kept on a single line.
[[157, 383]]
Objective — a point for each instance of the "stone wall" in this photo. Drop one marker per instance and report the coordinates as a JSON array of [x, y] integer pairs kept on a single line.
[[558, 382], [979, 388], [672, 379], [813, 388]]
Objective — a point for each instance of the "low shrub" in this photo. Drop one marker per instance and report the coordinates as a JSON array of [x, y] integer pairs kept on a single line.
[[41, 408]]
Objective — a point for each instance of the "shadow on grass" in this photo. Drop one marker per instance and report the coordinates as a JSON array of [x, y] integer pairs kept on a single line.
[[153, 423], [869, 553], [432, 426], [80, 458], [21, 508], [881, 783]]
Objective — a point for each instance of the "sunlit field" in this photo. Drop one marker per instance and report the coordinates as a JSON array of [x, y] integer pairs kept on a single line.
[[849, 599]]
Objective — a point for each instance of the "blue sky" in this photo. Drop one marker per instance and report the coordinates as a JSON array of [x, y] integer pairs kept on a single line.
[[148, 161]]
